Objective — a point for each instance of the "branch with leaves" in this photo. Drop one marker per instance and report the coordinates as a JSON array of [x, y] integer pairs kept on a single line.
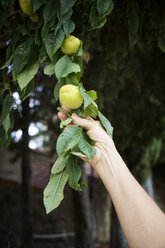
[[41, 40], [73, 142]]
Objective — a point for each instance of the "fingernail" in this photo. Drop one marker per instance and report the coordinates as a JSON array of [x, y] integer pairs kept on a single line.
[[74, 115]]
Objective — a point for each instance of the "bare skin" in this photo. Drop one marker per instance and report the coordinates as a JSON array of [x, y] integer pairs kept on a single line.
[[141, 219]]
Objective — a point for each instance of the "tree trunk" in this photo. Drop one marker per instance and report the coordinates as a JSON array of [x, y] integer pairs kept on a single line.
[[82, 215], [27, 218]]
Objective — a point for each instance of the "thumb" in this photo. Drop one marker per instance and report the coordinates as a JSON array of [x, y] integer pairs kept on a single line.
[[84, 123]]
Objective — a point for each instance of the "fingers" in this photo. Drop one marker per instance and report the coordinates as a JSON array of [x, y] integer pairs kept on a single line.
[[62, 116], [84, 123], [85, 159], [89, 118], [65, 108]]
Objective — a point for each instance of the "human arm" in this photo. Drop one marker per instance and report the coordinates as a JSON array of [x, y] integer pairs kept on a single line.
[[141, 219]]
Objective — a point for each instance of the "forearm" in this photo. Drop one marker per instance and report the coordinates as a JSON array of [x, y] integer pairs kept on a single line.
[[142, 221]]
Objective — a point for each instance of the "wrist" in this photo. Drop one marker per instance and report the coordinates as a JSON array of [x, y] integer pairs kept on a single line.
[[106, 152], [109, 165]]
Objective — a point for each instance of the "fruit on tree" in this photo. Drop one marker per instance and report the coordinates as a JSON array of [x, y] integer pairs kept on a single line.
[[27, 9], [34, 17], [70, 96], [70, 45]]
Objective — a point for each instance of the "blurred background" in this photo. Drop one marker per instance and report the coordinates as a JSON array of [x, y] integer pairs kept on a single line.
[[124, 62]]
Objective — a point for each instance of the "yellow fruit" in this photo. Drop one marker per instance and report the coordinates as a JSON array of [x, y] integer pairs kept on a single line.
[[34, 17], [26, 7], [70, 45], [70, 96]]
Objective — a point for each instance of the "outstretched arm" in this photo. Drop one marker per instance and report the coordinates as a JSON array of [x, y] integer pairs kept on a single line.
[[141, 219]]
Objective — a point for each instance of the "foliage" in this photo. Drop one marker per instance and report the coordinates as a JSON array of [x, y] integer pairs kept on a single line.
[[36, 44], [28, 45], [126, 66]]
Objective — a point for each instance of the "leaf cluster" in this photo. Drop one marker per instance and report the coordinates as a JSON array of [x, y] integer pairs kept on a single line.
[[28, 46], [71, 143]]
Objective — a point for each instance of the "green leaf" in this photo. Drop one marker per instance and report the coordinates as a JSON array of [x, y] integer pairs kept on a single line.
[[72, 79], [37, 4], [92, 110], [161, 44], [68, 79], [4, 139], [2, 90], [63, 111], [104, 7], [50, 10], [49, 44], [53, 193], [23, 30], [49, 69], [7, 63], [26, 91], [95, 20], [69, 27], [27, 75], [78, 154], [56, 91], [78, 59], [66, 5], [53, 42], [106, 124], [68, 139], [26, 53], [57, 88], [66, 122], [83, 184], [7, 123], [74, 171], [79, 112], [7, 106], [12, 46], [20, 56], [86, 97], [62, 19], [47, 27], [65, 66], [60, 164], [85, 146], [59, 37], [133, 21], [92, 94], [80, 52]]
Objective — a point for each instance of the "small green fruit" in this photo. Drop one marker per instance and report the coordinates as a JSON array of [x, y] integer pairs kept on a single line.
[[70, 96], [70, 45]]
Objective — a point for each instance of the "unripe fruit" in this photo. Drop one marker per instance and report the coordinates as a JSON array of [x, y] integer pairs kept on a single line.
[[34, 17], [70, 45], [26, 7], [70, 96]]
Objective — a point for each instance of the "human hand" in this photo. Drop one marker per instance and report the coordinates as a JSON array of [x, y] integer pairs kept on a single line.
[[104, 143]]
